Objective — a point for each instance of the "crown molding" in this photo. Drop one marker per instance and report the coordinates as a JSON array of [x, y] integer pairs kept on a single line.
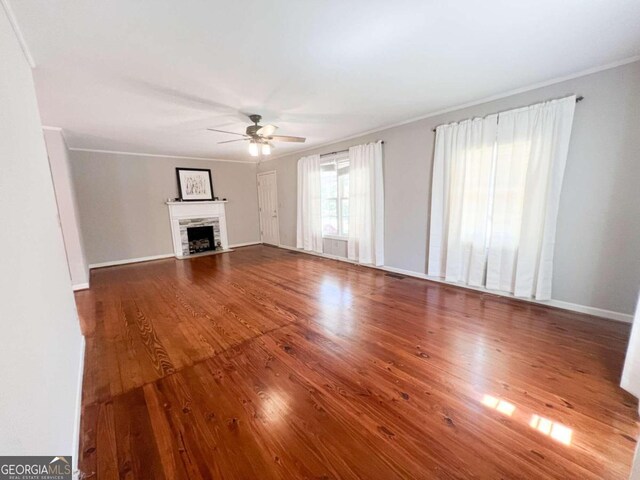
[[57, 129], [18, 32], [138, 154], [509, 93]]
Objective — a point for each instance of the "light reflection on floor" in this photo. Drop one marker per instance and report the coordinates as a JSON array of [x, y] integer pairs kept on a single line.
[[332, 292], [336, 300], [501, 406], [557, 431], [275, 405]]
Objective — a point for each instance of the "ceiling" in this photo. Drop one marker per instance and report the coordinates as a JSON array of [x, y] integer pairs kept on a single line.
[[149, 76]]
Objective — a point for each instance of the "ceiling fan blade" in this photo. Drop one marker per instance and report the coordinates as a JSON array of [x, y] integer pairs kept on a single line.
[[267, 130], [234, 140], [224, 131], [285, 138]]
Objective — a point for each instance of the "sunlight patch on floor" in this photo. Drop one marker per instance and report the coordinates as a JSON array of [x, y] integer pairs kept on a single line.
[[557, 431]]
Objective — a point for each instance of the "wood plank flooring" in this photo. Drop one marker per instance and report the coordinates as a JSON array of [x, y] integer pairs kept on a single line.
[[264, 363]]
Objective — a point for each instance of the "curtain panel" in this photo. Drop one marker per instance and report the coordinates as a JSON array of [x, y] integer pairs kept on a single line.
[[495, 198], [309, 225], [460, 200], [366, 205], [630, 380]]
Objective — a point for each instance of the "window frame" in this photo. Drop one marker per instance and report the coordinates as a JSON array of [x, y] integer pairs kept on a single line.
[[336, 159]]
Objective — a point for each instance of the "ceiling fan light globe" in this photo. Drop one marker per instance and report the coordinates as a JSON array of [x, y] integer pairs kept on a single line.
[[253, 149], [266, 149]]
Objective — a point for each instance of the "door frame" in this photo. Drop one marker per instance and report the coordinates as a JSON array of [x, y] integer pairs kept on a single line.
[[275, 173]]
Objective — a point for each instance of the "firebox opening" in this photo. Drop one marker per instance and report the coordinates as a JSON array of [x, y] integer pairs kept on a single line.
[[200, 239]]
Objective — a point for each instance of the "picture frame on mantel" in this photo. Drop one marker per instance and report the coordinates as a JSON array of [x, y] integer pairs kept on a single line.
[[194, 184]]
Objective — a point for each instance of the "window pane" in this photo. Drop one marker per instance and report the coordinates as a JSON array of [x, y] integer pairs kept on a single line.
[[330, 216], [330, 225], [328, 181], [344, 203], [334, 182], [329, 207], [343, 179]]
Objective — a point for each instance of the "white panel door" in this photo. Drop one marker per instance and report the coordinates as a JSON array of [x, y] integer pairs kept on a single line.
[[268, 204]]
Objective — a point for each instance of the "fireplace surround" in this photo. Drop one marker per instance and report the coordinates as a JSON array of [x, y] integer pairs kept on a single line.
[[198, 227]]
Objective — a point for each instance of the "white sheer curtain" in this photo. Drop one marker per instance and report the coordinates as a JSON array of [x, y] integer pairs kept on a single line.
[[366, 204], [309, 234], [460, 200], [532, 147], [495, 197]]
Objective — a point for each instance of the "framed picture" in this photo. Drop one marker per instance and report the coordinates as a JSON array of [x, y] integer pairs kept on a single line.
[[194, 184]]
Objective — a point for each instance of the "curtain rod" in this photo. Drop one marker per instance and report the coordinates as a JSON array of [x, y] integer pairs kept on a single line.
[[341, 151], [578, 99]]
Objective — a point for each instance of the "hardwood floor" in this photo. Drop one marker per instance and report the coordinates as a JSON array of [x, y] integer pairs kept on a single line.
[[264, 363]]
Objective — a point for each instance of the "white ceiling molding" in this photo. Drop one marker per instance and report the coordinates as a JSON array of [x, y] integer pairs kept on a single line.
[[138, 154], [589, 71], [57, 129], [18, 32]]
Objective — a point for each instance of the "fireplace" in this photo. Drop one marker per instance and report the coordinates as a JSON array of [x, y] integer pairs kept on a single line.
[[198, 228], [199, 235], [201, 239]]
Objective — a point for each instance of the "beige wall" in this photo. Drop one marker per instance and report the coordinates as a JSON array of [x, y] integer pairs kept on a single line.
[[121, 200], [40, 356], [598, 238]]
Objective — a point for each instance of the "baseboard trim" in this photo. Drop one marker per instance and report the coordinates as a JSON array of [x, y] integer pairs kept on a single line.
[[597, 312], [76, 427], [148, 259], [246, 244], [574, 307], [323, 255], [80, 286], [130, 260]]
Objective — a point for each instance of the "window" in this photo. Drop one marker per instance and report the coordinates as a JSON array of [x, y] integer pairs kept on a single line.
[[334, 182]]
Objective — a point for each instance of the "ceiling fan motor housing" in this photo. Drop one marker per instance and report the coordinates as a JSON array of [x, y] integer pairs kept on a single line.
[[252, 130]]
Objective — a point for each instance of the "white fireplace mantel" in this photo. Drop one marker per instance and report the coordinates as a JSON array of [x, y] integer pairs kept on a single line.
[[199, 209], [197, 202]]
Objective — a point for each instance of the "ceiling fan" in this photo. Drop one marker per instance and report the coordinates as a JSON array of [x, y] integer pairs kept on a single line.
[[260, 138]]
